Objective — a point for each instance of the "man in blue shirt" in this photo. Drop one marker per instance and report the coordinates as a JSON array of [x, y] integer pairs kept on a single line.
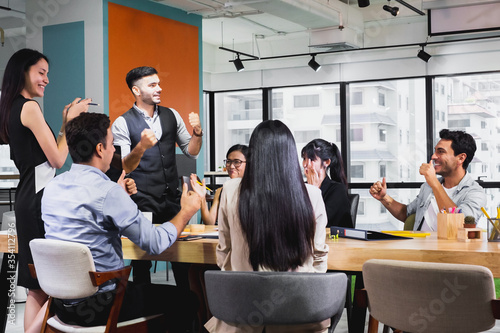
[[456, 188], [84, 206]]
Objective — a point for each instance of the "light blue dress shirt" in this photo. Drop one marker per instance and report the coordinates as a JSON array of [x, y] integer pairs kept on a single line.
[[83, 205], [469, 196]]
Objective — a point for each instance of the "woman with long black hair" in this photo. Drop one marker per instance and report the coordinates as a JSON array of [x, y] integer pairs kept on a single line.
[[320, 157], [269, 219], [36, 154]]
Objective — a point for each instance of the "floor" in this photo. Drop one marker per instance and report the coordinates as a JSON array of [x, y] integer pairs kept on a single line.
[[160, 277]]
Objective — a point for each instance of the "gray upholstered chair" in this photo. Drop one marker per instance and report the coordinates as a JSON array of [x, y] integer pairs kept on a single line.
[[296, 298], [429, 297], [66, 270]]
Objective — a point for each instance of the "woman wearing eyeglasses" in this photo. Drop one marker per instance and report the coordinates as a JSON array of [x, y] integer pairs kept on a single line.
[[235, 162]]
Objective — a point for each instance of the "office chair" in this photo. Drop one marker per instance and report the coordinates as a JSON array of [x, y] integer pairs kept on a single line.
[[354, 200], [275, 298], [65, 270], [431, 297]]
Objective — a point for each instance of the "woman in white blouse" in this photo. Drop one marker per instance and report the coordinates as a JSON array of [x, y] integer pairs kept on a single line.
[[271, 220]]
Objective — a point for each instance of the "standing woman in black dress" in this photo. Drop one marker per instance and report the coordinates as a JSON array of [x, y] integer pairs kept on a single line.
[[36, 153], [320, 156]]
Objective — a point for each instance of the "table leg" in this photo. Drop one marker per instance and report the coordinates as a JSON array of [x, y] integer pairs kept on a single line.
[[7, 279], [356, 322]]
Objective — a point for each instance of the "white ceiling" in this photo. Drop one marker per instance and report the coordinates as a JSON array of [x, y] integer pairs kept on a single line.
[[14, 18], [239, 21], [228, 22], [232, 23]]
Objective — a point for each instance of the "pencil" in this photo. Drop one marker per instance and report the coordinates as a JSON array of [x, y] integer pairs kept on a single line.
[[202, 185], [485, 213]]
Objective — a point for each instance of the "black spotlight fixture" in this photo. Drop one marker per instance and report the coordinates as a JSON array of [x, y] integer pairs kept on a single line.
[[363, 3], [238, 63], [393, 10], [313, 64], [423, 55]]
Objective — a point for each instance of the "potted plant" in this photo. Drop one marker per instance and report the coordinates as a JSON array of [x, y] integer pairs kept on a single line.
[[469, 222]]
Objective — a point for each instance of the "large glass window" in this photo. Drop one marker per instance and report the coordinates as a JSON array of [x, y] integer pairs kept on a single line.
[[382, 150], [374, 216], [381, 129], [236, 115], [472, 104], [387, 129], [311, 112]]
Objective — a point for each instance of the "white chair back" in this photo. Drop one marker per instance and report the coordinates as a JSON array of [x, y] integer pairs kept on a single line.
[[62, 268]]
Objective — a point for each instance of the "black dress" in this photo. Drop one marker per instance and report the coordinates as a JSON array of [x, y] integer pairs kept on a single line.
[[27, 155], [337, 204]]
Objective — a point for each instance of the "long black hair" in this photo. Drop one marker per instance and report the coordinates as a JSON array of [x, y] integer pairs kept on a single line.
[[327, 151], [275, 211], [14, 81]]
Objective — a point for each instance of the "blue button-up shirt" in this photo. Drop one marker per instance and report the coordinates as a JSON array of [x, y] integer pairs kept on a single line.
[[82, 205]]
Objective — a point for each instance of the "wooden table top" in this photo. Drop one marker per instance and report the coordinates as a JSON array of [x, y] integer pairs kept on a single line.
[[350, 254], [345, 254]]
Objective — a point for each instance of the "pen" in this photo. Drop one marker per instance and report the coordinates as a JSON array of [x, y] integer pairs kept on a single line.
[[202, 185], [94, 104]]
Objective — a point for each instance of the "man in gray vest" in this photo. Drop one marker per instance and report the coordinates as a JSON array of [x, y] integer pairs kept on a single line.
[[146, 135]]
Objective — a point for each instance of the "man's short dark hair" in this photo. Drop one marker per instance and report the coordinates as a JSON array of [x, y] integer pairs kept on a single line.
[[461, 142], [138, 73], [84, 132]]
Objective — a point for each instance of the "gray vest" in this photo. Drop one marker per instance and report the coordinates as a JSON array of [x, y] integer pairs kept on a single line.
[[156, 173]]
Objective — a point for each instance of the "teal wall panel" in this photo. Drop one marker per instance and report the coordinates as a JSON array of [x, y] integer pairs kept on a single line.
[[64, 45]]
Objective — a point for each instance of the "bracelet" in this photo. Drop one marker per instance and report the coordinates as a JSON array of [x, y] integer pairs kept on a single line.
[[61, 133], [198, 135]]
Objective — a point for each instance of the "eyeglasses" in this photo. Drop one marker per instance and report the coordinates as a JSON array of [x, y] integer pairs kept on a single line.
[[236, 163]]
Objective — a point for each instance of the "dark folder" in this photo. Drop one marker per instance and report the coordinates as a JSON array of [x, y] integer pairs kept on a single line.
[[367, 235]]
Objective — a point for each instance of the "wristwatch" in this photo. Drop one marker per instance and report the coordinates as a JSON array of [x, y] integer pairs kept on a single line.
[[195, 134]]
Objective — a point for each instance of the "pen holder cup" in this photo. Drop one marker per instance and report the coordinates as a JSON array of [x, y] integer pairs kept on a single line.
[[448, 225], [493, 230]]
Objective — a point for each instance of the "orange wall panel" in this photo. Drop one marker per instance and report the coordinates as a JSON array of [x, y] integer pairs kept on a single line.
[[137, 38]]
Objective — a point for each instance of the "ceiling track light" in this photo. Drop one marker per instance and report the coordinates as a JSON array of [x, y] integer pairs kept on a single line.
[[363, 3], [238, 63], [407, 5], [313, 64], [393, 10], [424, 55]]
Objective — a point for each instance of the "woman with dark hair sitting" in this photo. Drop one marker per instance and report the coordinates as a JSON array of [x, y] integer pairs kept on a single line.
[[319, 156], [236, 159], [270, 220]]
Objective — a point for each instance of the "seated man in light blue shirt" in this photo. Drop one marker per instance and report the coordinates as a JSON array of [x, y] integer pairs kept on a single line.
[[82, 205], [456, 188]]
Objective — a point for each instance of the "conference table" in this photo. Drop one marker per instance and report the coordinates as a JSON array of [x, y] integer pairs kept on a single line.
[[345, 254], [348, 254]]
